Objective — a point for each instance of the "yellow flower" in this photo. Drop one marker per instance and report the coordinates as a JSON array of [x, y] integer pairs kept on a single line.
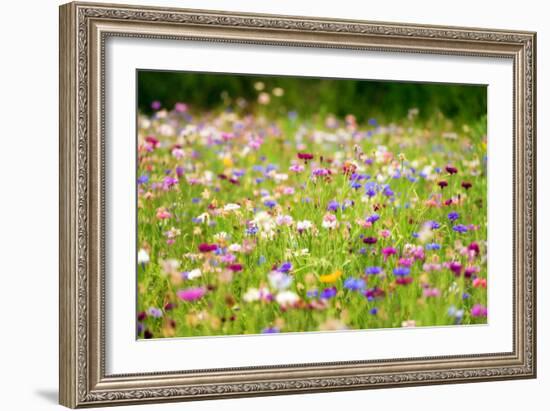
[[227, 162], [330, 278]]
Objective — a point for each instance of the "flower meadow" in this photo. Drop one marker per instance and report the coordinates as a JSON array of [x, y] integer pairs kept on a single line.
[[260, 220]]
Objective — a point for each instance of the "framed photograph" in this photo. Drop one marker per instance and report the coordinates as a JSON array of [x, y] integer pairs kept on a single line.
[[262, 205]]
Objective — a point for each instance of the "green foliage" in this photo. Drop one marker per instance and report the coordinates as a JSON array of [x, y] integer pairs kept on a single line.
[[384, 100]]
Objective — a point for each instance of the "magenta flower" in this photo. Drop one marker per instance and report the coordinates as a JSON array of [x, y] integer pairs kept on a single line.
[[305, 156], [455, 267], [191, 294], [235, 267], [479, 310], [442, 184], [206, 248], [388, 251], [370, 240]]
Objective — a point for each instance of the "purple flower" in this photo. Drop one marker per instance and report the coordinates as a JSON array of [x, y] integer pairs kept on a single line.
[[285, 267], [271, 330], [460, 228], [354, 284], [370, 240], [373, 270], [144, 179], [270, 203], [373, 218], [387, 191], [333, 205], [328, 293], [453, 215], [401, 271], [156, 105], [312, 293], [433, 225], [154, 312], [433, 246]]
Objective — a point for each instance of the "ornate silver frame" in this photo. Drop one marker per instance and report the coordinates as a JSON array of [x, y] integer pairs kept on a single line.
[[83, 30]]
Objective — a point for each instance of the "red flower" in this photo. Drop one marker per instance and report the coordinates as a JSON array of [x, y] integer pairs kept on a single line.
[[404, 280], [305, 156], [451, 170], [442, 184], [206, 248], [235, 267], [466, 185]]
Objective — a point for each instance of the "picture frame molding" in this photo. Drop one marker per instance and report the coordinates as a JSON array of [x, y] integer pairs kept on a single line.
[[84, 28]]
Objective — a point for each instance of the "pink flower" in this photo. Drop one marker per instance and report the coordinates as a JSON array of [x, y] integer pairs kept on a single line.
[[297, 168], [405, 262], [180, 107], [163, 213], [191, 294], [431, 292], [479, 282], [385, 233]]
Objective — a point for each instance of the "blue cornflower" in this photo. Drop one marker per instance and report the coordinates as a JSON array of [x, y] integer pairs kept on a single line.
[[285, 267], [252, 230], [373, 270], [387, 191], [271, 330], [373, 122], [433, 246], [195, 200], [370, 192], [415, 235], [328, 293], [261, 260], [258, 168], [356, 185], [312, 293], [434, 225], [270, 203], [347, 204], [453, 215], [460, 228], [154, 312], [333, 205], [401, 271], [373, 311], [354, 284], [373, 218], [144, 179]]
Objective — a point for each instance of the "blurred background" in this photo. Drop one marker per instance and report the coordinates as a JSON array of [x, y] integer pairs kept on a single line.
[[383, 100]]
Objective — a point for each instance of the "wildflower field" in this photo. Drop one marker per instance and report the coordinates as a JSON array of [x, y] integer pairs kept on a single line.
[[254, 218]]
